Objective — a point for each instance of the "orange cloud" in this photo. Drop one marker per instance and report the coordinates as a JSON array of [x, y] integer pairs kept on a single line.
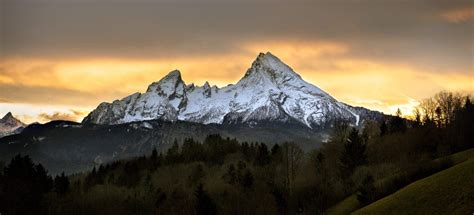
[[458, 15], [29, 113], [72, 115]]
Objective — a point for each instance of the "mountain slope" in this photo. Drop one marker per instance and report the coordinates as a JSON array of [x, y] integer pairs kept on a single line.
[[10, 125], [270, 91], [448, 192]]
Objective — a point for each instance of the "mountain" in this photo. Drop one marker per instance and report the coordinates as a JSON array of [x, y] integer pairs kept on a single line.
[[270, 104], [270, 91], [10, 125]]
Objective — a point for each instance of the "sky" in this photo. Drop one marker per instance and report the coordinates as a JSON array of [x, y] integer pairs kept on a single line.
[[60, 59]]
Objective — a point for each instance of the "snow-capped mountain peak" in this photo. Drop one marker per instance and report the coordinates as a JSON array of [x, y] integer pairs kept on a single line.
[[168, 84], [7, 116], [272, 66], [10, 125], [10, 120], [269, 91]]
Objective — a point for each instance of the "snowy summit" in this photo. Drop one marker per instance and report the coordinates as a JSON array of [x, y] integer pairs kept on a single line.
[[269, 91], [10, 125]]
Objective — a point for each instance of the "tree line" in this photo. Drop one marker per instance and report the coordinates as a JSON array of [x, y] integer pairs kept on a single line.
[[23, 186]]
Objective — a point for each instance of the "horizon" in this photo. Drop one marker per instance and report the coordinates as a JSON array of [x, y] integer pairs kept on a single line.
[[64, 68]]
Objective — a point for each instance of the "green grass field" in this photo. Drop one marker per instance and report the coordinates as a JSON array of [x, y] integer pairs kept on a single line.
[[448, 192], [350, 204], [460, 157]]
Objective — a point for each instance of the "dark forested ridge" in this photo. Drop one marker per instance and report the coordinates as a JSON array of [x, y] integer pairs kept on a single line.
[[70, 147], [220, 175]]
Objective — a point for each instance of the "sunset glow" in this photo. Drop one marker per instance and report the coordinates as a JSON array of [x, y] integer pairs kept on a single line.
[[40, 84]]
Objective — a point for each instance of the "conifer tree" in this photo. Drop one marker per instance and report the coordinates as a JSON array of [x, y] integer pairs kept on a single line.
[[353, 155], [230, 176], [366, 192], [262, 158], [204, 205], [61, 184], [397, 123], [22, 186], [247, 180]]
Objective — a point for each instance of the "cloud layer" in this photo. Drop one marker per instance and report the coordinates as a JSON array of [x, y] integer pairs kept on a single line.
[[379, 54]]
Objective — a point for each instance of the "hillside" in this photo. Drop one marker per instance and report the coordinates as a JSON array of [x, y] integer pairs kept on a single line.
[[448, 192], [351, 204]]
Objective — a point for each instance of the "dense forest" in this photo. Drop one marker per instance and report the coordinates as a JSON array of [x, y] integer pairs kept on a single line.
[[224, 176]]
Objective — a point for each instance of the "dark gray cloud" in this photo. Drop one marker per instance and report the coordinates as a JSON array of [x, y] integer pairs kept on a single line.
[[404, 31]]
